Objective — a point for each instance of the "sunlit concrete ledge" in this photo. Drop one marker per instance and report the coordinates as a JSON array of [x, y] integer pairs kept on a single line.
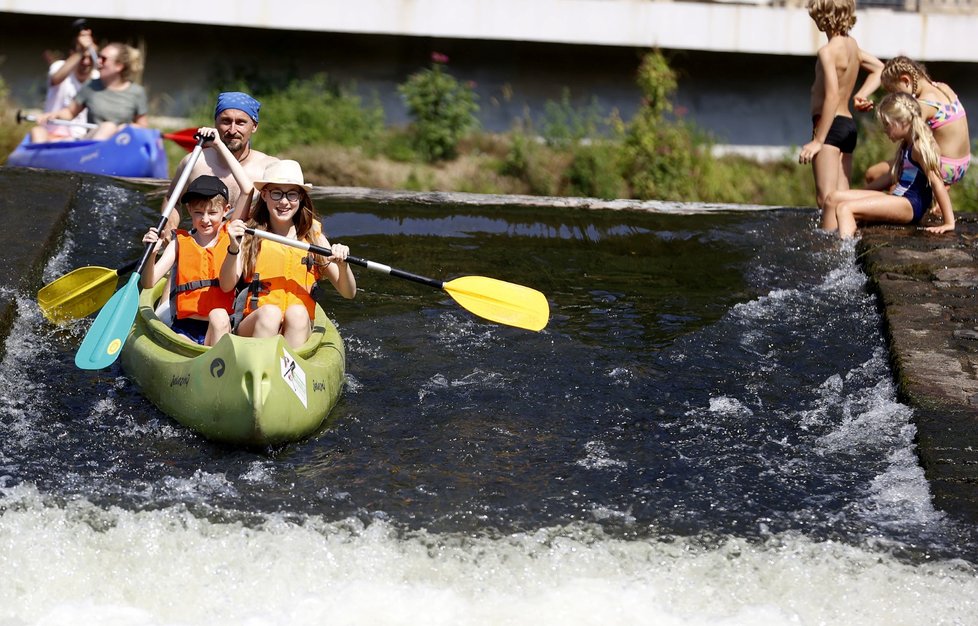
[[641, 23]]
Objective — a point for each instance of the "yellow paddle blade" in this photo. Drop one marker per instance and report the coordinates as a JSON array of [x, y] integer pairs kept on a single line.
[[499, 301], [77, 294]]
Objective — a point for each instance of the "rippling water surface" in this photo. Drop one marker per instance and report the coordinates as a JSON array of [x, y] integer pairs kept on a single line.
[[706, 433]]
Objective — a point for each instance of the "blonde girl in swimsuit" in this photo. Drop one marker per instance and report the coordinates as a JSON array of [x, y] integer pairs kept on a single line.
[[943, 113], [917, 175]]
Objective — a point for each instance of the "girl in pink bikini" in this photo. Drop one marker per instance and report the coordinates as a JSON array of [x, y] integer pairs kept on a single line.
[[943, 112]]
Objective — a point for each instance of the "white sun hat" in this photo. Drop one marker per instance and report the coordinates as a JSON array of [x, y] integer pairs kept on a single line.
[[282, 173]]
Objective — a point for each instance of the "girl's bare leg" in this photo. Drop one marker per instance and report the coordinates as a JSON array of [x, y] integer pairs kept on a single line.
[[265, 322], [867, 206], [297, 325]]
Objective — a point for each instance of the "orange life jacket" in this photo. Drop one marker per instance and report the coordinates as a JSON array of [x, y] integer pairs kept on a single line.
[[283, 276], [197, 285]]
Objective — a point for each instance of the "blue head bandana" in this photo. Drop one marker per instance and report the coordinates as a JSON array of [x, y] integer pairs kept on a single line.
[[237, 100]]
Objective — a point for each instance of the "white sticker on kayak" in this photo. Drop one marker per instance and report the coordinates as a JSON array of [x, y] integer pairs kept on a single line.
[[294, 377]]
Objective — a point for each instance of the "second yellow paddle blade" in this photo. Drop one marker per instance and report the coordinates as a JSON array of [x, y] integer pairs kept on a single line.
[[77, 294], [499, 301]]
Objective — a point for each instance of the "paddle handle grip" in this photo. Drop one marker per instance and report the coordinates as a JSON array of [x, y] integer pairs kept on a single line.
[[370, 265], [22, 117]]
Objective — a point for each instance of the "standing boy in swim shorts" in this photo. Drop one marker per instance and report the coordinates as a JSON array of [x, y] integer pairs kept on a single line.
[[836, 71]]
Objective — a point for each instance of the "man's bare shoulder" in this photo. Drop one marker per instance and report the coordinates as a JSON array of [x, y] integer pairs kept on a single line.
[[257, 162], [266, 159]]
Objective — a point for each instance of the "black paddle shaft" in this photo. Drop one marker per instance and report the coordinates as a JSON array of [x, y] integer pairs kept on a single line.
[[370, 265]]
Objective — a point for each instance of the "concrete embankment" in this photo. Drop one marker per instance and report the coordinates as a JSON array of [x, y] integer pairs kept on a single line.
[[34, 206], [928, 294]]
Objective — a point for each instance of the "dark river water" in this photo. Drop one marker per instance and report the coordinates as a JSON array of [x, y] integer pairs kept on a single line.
[[707, 432]]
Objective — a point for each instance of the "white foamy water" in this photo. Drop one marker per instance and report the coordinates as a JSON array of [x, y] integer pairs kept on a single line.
[[80, 564]]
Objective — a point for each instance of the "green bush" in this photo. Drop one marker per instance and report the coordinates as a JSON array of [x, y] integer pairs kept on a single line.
[[662, 159], [665, 161], [594, 172], [318, 111], [563, 125], [442, 110], [530, 162]]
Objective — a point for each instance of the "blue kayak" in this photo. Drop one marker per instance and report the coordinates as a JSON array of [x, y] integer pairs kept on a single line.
[[133, 152]]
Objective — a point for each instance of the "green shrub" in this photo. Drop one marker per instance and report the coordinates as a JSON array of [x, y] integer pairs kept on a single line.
[[318, 111], [532, 163], [662, 159], [563, 125], [594, 172], [442, 110], [665, 161]]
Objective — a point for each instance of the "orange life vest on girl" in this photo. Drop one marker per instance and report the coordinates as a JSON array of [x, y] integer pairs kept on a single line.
[[285, 277], [197, 283]]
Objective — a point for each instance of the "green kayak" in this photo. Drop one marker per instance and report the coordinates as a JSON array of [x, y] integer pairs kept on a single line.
[[242, 391]]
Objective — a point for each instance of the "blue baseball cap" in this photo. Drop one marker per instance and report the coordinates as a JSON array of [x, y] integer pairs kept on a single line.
[[237, 100]]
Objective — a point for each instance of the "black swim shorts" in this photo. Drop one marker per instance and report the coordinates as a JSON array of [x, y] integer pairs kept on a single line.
[[842, 133]]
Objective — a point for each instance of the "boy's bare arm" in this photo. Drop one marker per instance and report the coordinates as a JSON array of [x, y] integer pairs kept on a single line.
[[874, 69]]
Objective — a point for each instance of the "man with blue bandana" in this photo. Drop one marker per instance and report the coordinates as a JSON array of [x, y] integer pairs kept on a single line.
[[236, 120]]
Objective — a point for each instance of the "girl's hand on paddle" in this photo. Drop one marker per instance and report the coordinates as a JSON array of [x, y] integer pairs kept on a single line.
[[340, 252]]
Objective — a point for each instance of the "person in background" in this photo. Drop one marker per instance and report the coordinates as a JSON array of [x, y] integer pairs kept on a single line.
[[916, 170], [115, 98], [236, 120], [943, 112], [834, 130], [275, 296], [65, 78]]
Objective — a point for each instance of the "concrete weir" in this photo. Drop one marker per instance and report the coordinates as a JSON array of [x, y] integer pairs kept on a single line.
[[928, 294], [35, 204], [927, 287]]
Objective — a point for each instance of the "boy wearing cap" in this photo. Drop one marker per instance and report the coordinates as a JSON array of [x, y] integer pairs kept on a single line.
[[201, 309], [236, 120]]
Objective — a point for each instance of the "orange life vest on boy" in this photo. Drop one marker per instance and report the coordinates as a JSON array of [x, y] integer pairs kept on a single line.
[[286, 277], [197, 284]]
